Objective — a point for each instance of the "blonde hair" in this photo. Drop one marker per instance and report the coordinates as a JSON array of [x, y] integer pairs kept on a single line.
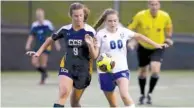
[[76, 6], [103, 17]]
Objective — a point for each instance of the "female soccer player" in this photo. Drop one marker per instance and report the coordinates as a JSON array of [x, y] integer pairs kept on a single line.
[[40, 31], [112, 40], [74, 72]]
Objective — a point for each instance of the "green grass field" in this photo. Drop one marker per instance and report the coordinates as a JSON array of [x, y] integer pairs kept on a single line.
[[16, 12], [21, 89]]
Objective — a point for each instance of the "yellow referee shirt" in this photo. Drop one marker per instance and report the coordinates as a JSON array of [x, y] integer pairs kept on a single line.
[[152, 27]]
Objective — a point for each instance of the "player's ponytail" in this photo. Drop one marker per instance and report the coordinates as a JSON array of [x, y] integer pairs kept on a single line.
[[102, 18], [99, 22], [86, 13]]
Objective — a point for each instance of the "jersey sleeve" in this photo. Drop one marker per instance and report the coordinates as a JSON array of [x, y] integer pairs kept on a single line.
[[92, 33], [134, 23], [129, 34], [168, 24], [51, 27], [58, 35], [90, 30], [32, 30]]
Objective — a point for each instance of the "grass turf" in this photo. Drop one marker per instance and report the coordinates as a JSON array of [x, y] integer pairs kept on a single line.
[[21, 89]]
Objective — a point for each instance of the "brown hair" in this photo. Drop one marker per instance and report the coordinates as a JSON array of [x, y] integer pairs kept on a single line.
[[103, 17], [76, 6]]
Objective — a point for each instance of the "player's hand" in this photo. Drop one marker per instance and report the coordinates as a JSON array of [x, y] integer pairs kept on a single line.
[[88, 39], [32, 53], [169, 42], [132, 44], [161, 46], [95, 42]]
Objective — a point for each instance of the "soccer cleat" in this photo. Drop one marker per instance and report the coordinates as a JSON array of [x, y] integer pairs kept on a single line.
[[141, 100], [149, 99]]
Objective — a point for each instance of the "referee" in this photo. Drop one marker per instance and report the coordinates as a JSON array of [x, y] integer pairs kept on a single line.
[[156, 25]]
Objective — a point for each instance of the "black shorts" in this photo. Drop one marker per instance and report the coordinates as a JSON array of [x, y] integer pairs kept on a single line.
[[145, 56], [81, 77]]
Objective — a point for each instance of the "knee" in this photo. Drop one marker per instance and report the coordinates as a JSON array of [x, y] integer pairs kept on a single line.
[[155, 70], [155, 67], [142, 73], [155, 75], [63, 91], [35, 63], [44, 65]]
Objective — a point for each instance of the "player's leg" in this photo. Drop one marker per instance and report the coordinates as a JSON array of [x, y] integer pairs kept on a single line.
[[155, 70], [76, 96], [156, 59], [36, 63], [122, 80], [143, 60], [43, 65], [81, 82], [65, 87], [65, 84], [107, 85], [112, 98]]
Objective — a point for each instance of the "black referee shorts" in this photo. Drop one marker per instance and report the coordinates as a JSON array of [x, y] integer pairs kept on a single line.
[[145, 56]]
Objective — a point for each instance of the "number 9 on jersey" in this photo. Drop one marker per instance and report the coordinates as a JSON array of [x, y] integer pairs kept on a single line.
[[75, 51]]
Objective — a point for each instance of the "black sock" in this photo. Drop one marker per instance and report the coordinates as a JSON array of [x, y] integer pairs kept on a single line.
[[153, 80], [142, 83], [42, 71], [58, 106]]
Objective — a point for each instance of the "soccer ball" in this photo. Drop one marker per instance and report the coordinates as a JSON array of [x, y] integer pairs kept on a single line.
[[105, 62]]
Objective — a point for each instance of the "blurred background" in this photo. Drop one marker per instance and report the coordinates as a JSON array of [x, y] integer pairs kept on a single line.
[[17, 17]]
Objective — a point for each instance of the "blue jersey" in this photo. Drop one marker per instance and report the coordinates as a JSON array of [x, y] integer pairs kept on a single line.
[[77, 52], [41, 32]]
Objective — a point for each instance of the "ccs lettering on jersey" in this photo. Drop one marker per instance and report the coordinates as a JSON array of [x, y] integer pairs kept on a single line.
[[64, 70]]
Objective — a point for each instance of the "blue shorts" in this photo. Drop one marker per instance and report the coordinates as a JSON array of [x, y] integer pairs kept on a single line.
[[108, 80]]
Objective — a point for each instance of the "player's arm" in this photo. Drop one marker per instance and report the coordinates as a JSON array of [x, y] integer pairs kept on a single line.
[[29, 42], [133, 26], [57, 45], [93, 45], [91, 42], [169, 31], [48, 42], [30, 39], [134, 22], [140, 37]]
